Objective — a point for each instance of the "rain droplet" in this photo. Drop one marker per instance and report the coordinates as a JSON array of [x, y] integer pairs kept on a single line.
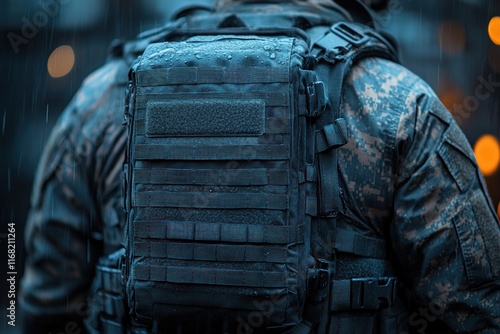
[[229, 57], [8, 179], [272, 55], [198, 56], [267, 47], [4, 118]]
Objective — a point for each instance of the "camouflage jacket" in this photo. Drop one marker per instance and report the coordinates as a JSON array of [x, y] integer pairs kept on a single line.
[[408, 174]]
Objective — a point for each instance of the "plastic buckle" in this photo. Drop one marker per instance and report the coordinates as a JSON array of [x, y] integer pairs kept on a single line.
[[372, 293], [318, 281], [349, 33]]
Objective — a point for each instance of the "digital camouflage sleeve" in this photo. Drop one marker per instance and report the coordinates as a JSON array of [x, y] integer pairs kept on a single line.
[[76, 213], [411, 176], [408, 174]]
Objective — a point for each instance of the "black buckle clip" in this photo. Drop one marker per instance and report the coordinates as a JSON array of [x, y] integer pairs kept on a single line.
[[318, 281], [349, 33], [373, 293]]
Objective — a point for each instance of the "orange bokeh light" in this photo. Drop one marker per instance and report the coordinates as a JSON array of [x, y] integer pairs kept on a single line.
[[61, 61], [487, 152], [494, 30]]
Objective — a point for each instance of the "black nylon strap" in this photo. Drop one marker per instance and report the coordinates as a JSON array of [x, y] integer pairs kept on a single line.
[[312, 206], [215, 152], [213, 276], [328, 184], [212, 75], [272, 99], [210, 200], [342, 61], [210, 252], [197, 231], [331, 136], [228, 177], [329, 188], [210, 299], [349, 241], [110, 279]]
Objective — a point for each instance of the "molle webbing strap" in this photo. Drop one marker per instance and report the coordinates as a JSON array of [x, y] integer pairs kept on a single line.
[[349, 241], [213, 75], [227, 177], [110, 279], [210, 252], [214, 152], [210, 300], [271, 98], [213, 276], [214, 232], [210, 200]]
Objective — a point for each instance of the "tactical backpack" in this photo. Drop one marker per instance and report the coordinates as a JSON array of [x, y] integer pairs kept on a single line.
[[231, 171]]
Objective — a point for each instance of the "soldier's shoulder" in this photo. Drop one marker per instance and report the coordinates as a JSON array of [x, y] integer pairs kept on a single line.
[[111, 75], [389, 78], [396, 88], [96, 107]]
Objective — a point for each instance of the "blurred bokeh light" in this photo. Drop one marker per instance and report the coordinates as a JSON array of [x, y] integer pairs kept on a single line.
[[487, 152], [61, 61], [494, 30]]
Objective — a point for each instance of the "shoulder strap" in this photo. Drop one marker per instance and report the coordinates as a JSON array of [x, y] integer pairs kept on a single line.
[[342, 46], [336, 51]]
